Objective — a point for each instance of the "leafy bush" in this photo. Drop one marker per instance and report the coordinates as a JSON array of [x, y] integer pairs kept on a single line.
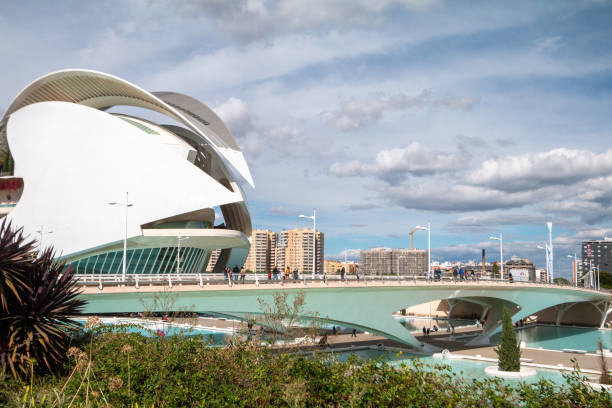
[[125, 369], [508, 351], [37, 295]]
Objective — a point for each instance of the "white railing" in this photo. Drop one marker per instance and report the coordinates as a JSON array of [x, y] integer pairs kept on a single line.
[[207, 279]]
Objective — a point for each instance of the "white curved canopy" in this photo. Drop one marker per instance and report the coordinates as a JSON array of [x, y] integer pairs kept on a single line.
[[101, 91]]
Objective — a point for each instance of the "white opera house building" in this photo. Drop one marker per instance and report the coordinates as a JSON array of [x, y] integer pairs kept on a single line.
[[81, 140]]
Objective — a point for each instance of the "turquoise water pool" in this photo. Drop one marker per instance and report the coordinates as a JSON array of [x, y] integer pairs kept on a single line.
[[563, 337], [151, 330], [467, 369]]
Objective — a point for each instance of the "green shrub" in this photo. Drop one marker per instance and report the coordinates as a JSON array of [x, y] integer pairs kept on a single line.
[[126, 369], [508, 351]]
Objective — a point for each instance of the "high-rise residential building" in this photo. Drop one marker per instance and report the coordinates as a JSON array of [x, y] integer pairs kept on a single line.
[[576, 271], [262, 255], [295, 250], [383, 261], [597, 254], [214, 257]]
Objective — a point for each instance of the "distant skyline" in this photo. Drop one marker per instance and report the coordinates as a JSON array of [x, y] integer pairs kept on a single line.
[[480, 117]]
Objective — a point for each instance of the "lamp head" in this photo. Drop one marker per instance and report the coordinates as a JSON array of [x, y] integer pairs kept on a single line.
[[113, 203], [420, 228], [495, 238], [302, 216]]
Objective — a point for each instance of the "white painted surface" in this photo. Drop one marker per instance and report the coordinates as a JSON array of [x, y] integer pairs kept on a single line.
[[75, 160], [496, 372]]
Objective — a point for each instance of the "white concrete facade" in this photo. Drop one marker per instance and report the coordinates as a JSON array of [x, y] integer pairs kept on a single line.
[[75, 158]]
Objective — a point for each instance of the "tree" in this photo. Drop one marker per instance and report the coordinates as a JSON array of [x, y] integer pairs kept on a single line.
[[37, 297], [508, 351], [561, 281], [495, 270]]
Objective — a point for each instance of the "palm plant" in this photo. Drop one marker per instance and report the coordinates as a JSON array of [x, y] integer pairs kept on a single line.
[[38, 296]]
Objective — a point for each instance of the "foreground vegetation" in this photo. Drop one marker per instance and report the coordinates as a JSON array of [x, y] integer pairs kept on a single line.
[[115, 368]]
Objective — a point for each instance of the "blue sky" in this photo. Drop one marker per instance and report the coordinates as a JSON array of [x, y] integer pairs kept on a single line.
[[479, 116]]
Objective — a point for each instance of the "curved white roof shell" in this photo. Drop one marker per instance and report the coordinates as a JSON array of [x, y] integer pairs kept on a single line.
[[75, 158], [101, 91]]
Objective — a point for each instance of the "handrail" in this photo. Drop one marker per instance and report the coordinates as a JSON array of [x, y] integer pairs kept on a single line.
[[207, 279]]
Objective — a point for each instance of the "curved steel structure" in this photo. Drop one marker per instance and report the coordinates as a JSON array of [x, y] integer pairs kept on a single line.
[[75, 157]]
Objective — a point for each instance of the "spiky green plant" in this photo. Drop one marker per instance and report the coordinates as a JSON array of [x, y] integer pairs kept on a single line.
[[508, 351], [40, 296], [16, 256]]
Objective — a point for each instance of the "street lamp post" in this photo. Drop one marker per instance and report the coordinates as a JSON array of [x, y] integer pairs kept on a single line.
[[127, 205], [428, 229], [178, 257], [574, 269], [42, 232], [314, 239], [545, 248], [501, 254]]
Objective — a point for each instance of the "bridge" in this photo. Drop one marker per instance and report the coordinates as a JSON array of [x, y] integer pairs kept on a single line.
[[366, 304]]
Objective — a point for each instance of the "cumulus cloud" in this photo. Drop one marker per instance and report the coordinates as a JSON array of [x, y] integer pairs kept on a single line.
[[234, 112], [356, 113], [535, 170], [472, 224], [436, 196], [414, 159], [351, 254]]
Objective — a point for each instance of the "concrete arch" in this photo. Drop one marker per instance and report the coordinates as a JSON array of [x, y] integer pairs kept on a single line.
[[367, 307]]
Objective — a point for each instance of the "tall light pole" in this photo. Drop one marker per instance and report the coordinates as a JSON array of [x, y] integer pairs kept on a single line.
[[574, 269], [313, 217], [42, 232], [550, 252], [178, 258], [428, 229], [127, 205], [501, 254], [545, 248]]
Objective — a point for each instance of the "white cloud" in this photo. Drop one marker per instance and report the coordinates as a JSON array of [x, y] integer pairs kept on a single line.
[[234, 112], [356, 113], [248, 20], [535, 170], [392, 164], [235, 66], [351, 254]]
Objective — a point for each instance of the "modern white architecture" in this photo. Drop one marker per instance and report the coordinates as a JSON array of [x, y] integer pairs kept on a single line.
[[82, 139]]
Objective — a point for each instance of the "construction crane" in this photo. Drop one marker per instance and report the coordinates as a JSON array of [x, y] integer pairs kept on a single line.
[[412, 238]]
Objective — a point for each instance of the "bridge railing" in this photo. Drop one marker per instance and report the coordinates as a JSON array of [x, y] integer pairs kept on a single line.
[[207, 279]]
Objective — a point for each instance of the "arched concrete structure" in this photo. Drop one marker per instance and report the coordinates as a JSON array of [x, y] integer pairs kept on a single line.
[[368, 307]]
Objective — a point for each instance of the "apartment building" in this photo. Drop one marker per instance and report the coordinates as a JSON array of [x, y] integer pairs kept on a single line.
[[262, 255], [385, 261], [212, 261], [295, 250]]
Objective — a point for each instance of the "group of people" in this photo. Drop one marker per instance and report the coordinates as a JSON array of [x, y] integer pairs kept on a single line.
[[481, 323], [458, 274], [427, 330], [274, 275], [234, 275]]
